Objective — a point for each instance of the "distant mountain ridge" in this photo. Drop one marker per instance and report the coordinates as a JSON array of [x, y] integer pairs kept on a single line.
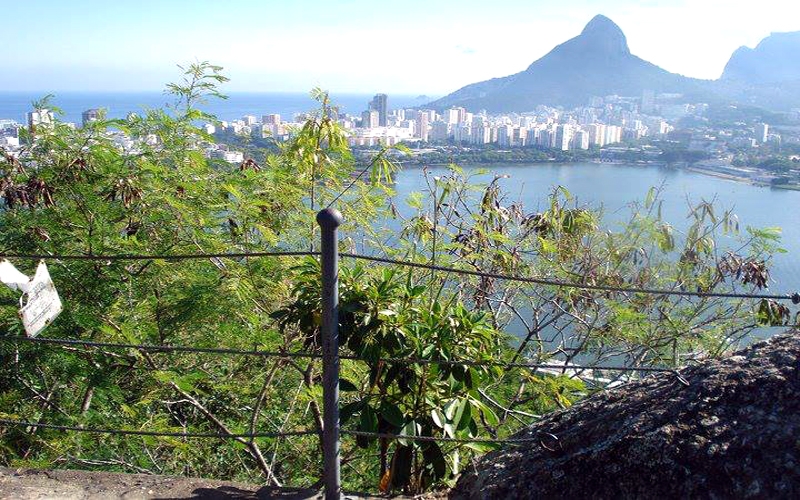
[[775, 59], [598, 62]]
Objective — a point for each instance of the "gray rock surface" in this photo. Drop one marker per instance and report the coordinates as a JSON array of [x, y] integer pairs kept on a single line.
[[733, 432]]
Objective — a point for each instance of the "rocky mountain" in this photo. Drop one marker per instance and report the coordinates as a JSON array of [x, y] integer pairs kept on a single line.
[[597, 62], [721, 429], [767, 76], [776, 59]]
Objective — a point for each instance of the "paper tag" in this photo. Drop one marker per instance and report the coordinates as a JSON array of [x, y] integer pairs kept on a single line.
[[43, 304]]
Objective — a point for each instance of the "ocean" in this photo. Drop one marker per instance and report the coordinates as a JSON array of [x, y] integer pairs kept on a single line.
[[14, 105]]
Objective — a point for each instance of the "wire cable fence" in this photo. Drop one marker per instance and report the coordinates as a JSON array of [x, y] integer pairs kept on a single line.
[[309, 355], [794, 297], [168, 257], [135, 432], [329, 221]]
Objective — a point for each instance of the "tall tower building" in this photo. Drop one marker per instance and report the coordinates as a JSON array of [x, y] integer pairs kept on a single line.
[[39, 117], [597, 134], [762, 132], [563, 137], [379, 103], [370, 119], [422, 125], [451, 116]]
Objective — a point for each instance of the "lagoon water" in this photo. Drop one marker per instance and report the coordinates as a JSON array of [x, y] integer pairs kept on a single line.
[[613, 186], [616, 186]]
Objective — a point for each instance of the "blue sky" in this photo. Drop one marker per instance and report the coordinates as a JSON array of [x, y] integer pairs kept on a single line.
[[410, 47]]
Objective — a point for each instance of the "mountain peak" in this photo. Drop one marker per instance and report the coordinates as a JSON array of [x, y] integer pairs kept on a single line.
[[600, 22], [596, 62], [606, 34]]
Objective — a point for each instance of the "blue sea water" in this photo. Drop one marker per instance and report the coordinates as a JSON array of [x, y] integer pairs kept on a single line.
[[14, 105]]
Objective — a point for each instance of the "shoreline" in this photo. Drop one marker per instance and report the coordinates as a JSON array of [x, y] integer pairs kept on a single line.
[[745, 180], [696, 170]]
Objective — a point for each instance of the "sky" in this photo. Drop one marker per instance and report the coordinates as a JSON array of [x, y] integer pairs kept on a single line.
[[411, 47]]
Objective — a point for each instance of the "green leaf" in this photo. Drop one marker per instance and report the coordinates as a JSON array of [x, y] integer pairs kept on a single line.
[[438, 418], [368, 421], [450, 409], [434, 457], [463, 415], [482, 447], [651, 197], [347, 386], [392, 414], [489, 415], [348, 410], [401, 466]]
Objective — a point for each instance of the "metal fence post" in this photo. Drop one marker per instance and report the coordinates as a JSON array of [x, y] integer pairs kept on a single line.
[[329, 220]]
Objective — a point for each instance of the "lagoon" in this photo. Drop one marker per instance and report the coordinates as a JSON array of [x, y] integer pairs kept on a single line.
[[615, 186]]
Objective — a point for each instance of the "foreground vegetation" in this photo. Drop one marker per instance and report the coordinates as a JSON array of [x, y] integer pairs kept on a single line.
[[75, 192]]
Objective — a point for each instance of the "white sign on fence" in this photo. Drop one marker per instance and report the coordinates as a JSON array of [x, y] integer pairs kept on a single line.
[[42, 305]]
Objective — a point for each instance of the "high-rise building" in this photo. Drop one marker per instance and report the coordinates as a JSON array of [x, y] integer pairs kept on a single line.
[[581, 140], [370, 119], [422, 125], [379, 103], [563, 137], [613, 134], [597, 134], [249, 120], [273, 119], [451, 116], [519, 136], [462, 133], [40, 117], [481, 132], [504, 134], [547, 138], [762, 132], [440, 131], [89, 116]]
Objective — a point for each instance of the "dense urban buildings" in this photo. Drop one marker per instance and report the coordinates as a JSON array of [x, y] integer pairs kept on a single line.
[[641, 126]]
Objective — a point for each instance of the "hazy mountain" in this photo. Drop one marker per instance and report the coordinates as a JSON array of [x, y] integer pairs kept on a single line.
[[776, 59], [767, 76], [597, 62]]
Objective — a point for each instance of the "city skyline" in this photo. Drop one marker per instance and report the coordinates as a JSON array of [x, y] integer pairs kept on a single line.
[[420, 48]]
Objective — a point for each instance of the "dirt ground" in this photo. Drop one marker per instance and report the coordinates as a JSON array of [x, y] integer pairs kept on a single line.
[[31, 484]]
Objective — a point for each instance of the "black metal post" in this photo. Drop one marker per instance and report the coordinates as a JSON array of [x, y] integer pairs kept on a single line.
[[329, 221]]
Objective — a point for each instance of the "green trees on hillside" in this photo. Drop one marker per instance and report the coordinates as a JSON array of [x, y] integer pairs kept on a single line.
[[79, 192]]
